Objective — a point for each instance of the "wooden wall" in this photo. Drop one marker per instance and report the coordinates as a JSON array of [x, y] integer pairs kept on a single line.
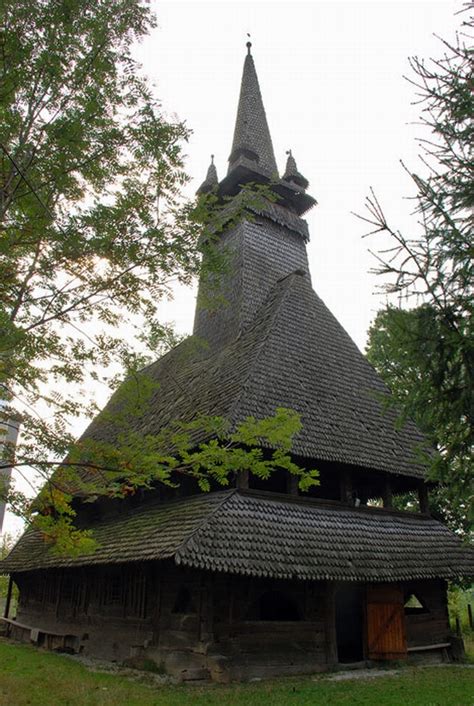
[[198, 625], [106, 608], [191, 623]]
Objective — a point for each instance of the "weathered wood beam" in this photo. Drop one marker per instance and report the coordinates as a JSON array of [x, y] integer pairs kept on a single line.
[[345, 486], [387, 492], [58, 594], [206, 622], [292, 486], [243, 480], [330, 624], [231, 602], [156, 579], [423, 498]]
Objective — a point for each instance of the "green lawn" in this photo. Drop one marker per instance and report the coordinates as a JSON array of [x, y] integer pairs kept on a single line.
[[30, 676]]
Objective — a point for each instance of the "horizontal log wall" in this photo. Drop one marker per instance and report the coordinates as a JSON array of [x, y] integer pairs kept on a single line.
[[247, 645]]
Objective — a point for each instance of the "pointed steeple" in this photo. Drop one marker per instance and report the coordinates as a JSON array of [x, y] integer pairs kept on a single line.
[[211, 179], [292, 174], [252, 145]]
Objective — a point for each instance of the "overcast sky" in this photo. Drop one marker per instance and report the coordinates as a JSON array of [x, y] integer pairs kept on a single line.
[[331, 76]]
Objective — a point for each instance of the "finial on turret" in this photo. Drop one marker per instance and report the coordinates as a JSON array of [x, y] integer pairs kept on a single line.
[[211, 180], [292, 174], [249, 44]]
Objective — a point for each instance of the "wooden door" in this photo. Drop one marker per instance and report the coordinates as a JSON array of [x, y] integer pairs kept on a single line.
[[386, 637]]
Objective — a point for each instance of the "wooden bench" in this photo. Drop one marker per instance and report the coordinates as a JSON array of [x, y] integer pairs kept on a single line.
[[423, 648], [443, 646], [52, 640]]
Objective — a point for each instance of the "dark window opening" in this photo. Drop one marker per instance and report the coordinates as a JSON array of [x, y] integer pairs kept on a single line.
[[276, 483], [183, 602], [328, 488], [274, 605], [414, 605]]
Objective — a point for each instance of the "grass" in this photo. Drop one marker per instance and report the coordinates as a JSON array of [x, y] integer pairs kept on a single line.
[[31, 677]]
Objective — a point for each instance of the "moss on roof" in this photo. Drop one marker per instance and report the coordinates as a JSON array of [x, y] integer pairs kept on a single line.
[[261, 534]]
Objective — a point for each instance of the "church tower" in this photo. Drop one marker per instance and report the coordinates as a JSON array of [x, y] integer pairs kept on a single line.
[[271, 242]]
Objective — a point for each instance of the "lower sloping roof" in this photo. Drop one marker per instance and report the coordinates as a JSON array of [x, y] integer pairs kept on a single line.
[[260, 534]]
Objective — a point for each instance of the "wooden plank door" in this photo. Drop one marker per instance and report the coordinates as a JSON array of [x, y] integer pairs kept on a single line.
[[386, 637]]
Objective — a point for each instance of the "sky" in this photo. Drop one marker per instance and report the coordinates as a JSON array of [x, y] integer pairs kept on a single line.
[[331, 76]]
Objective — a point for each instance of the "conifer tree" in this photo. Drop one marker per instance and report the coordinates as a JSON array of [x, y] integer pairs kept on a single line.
[[423, 345]]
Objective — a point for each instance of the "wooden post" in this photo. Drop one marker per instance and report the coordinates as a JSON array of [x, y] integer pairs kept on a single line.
[[231, 603], [458, 627], [206, 609], [6, 612], [293, 485], [423, 497], [157, 591], [469, 613], [243, 479], [387, 492], [200, 607], [330, 624], [58, 595], [345, 485]]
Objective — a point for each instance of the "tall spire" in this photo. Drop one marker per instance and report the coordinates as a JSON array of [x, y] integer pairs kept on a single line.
[[252, 142]]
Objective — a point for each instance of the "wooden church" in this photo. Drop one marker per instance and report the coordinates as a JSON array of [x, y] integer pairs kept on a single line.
[[259, 579]]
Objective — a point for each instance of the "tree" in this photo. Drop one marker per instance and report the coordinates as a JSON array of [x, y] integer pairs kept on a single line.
[[85, 154], [94, 232], [423, 347]]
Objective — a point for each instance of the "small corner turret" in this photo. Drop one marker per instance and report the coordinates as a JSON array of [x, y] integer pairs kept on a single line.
[[291, 188], [211, 181], [292, 174]]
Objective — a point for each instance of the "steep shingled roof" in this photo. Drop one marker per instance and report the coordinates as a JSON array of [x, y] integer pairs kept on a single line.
[[295, 355], [259, 534]]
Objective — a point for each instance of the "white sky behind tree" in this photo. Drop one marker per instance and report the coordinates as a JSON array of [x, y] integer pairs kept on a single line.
[[331, 76]]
